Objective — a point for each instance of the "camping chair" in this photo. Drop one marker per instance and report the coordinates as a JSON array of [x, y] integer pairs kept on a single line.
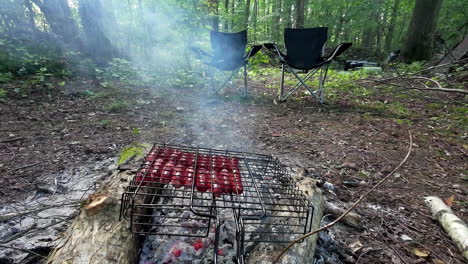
[[228, 56], [305, 54]]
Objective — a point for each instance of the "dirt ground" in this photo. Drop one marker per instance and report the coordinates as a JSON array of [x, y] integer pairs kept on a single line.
[[344, 143]]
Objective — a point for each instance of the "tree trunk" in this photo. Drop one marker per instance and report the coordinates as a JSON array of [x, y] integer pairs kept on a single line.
[[419, 40], [97, 236], [247, 14], [231, 19], [300, 5], [391, 26], [226, 16], [32, 24], [254, 20], [214, 15], [276, 20], [287, 14], [59, 18], [93, 19]]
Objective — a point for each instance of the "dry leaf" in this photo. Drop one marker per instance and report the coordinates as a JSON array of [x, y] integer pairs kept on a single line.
[[438, 261], [421, 252], [449, 201]]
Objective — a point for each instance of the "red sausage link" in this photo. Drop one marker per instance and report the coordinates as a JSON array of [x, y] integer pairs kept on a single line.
[[179, 176]]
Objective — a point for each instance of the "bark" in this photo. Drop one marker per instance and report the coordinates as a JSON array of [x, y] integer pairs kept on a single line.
[[226, 14], [454, 226], [231, 19], [276, 20], [303, 252], [300, 5], [391, 26], [32, 24], [60, 20], [214, 15], [351, 219], [286, 8], [419, 41], [95, 21], [247, 14], [97, 236], [254, 20]]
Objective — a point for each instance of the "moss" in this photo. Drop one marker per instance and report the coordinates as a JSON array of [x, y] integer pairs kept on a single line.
[[134, 150]]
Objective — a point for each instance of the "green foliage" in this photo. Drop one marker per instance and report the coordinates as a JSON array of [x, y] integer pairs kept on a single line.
[[6, 77], [28, 57], [117, 106], [3, 93], [412, 67], [131, 151], [117, 70]]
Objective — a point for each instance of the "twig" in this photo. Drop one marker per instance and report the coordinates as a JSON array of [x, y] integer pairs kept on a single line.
[[11, 140], [22, 167], [355, 203], [19, 234], [24, 250]]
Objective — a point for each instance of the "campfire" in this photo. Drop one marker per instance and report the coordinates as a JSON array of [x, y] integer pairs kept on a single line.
[[207, 205]]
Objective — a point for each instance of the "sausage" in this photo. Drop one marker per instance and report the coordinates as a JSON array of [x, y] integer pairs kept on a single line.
[[237, 186], [203, 180], [167, 172], [223, 176], [218, 184], [189, 180], [179, 177]]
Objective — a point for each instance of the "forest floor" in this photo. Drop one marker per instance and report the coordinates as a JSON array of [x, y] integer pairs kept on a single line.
[[352, 142]]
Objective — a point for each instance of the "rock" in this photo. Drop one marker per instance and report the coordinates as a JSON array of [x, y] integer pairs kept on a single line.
[[405, 238]]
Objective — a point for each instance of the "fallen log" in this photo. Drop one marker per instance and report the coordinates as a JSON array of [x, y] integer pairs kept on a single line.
[[454, 226], [352, 218], [97, 235]]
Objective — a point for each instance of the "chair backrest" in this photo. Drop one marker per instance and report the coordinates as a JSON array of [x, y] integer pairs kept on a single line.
[[304, 46], [228, 46]]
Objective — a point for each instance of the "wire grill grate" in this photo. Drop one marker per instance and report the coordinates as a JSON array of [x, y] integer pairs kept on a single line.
[[180, 191]]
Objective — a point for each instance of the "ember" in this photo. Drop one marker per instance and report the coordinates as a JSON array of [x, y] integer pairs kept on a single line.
[[193, 201]]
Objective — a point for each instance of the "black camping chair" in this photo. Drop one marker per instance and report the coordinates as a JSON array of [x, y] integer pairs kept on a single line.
[[305, 54], [229, 55]]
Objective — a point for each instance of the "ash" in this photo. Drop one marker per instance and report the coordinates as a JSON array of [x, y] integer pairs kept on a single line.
[[178, 248]]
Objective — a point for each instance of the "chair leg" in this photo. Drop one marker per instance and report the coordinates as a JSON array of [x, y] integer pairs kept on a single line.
[[320, 93], [245, 80], [212, 81], [282, 84]]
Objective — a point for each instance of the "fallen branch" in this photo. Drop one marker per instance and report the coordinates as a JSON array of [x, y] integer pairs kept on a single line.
[[24, 250], [355, 203], [19, 234], [22, 167], [439, 87], [454, 226], [11, 140]]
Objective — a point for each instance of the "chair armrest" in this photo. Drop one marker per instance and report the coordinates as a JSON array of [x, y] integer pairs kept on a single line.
[[253, 51], [200, 54], [339, 50], [274, 48]]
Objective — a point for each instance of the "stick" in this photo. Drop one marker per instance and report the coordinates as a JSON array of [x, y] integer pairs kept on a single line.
[[11, 140], [24, 250], [355, 203], [22, 167]]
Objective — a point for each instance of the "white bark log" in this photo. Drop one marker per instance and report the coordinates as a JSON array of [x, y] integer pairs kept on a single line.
[[97, 236], [454, 226]]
